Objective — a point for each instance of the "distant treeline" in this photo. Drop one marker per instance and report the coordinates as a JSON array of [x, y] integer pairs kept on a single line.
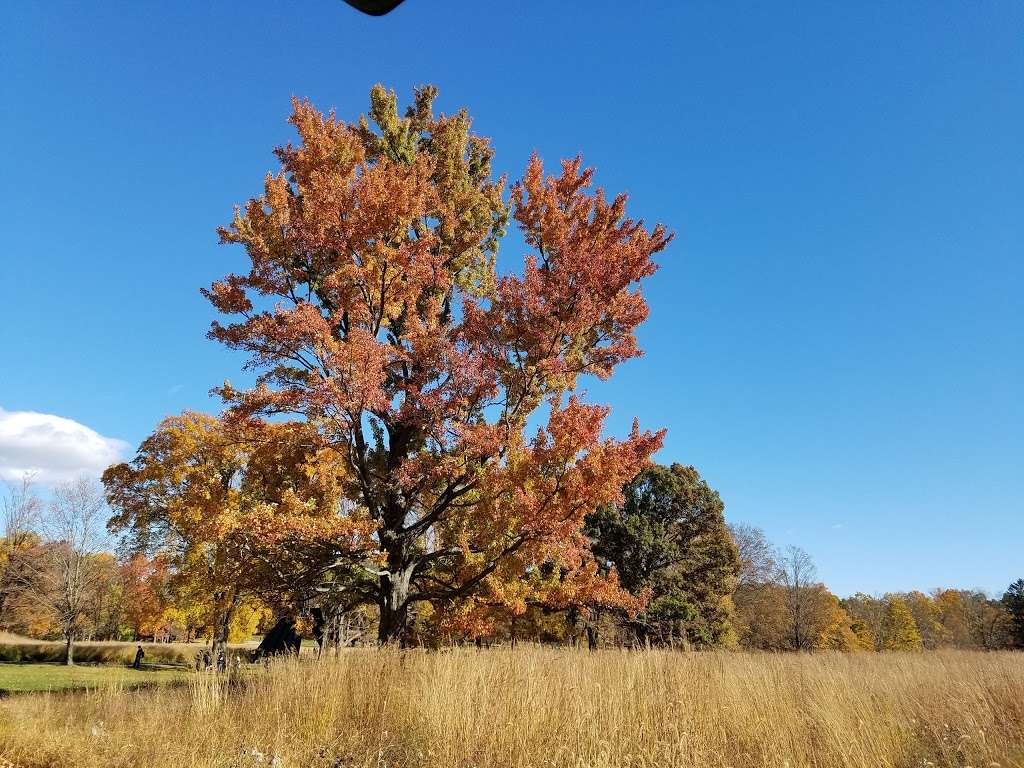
[[696, 582], [789, 610]]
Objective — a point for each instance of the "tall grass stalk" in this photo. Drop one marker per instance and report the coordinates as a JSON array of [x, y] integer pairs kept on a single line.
[[542, 707]]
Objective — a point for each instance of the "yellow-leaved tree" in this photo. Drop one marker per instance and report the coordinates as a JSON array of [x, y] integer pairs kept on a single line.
[[234, 519], [899, 632]]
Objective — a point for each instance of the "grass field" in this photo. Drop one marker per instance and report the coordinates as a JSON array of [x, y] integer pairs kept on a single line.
[[19, 649], [532, 707], [21, 678]]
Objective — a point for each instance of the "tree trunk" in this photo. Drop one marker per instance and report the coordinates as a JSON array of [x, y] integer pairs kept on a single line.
[[394, 606], [591, 637], [222, 628], [643, 638], [69, 649]]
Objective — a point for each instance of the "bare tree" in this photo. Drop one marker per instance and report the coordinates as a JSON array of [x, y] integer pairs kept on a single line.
[[758, 557], [798, 577], [64, 576], [20, 508], [760, 620]]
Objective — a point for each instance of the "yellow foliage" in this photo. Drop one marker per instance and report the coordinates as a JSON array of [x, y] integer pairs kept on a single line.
[[246, 618]]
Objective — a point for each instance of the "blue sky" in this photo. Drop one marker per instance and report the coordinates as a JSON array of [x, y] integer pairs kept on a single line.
[[836, 334]]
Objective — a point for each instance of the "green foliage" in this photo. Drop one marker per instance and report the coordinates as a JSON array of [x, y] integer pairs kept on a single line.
[[669, 539], [1013, 601]]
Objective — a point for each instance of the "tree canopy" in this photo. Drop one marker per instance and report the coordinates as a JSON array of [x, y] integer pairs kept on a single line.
[[668, 540], [374, 312]]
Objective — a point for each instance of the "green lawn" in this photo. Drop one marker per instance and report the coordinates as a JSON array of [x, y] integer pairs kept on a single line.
[[22, 678]]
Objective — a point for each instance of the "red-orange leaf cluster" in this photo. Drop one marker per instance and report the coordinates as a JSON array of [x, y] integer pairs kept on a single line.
[[373, 311]]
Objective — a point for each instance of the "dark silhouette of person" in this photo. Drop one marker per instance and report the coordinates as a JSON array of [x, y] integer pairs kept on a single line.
[[139, 654], [222, 662]]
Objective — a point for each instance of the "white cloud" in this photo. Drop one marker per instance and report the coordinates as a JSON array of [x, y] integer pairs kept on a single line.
[[54, 448]]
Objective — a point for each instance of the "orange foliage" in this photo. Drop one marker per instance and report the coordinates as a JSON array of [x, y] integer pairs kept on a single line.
[[372, 309]]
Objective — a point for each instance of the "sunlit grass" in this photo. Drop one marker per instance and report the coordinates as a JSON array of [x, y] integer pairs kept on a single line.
[[19, 678], [541, 707]]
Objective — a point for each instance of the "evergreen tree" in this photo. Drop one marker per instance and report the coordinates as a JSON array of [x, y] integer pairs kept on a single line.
[[1013, 599]]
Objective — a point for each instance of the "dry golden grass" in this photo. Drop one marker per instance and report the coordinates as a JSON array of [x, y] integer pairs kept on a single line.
[[11, 638], [538, 707]]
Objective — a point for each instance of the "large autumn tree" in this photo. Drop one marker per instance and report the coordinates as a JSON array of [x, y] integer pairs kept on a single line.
[[373, 310]]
